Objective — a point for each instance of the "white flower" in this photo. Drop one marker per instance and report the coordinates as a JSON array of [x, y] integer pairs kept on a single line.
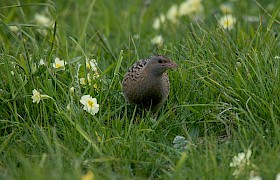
[[158, 21], [227, 21], [72, 90], [90, 104], [42, 62], [68, 107], [172, 14], [190, 7], [162, 18], [278, 176], [13, 28], [136, 36], [59, 64], [157, 40], [91, 64], [42, 20], [89, 79], [156, 24], [241, 158], [240, 162], [255, 178], [36, 96], [83, 81]]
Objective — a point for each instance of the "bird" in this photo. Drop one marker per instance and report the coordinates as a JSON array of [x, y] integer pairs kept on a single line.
[[146, 84]]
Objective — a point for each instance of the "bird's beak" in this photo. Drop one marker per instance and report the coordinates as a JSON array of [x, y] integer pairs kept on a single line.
[[172, 64]]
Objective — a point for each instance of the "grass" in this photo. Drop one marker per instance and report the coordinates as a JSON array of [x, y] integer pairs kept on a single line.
[[224, 98]]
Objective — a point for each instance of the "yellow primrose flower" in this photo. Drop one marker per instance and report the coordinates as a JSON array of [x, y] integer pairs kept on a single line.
[[83, 80], [88, 176], [89, 79], [37, 96], [59, 64], [227, 22], [90, 104], [173, 14], [157, 40], [190, 7], [91, 64]]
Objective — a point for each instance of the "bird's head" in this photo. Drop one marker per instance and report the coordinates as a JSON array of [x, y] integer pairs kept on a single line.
[[158, 64]]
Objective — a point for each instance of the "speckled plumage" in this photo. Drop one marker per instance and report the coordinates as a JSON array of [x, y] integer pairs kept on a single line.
[[147, 84]]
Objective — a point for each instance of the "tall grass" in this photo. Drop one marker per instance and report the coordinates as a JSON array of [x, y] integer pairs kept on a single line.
[[224, 97]]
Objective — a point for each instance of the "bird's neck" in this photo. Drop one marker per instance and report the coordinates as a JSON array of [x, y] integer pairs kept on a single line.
[[156, 73], [154, 80]]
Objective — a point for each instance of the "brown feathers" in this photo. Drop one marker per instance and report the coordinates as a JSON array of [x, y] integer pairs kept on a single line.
[[146, 83]]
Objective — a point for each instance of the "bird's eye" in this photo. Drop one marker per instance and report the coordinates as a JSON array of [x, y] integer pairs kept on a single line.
[[160, 61]]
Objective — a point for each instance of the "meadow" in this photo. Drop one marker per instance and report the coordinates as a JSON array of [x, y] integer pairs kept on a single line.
[[63, 115]]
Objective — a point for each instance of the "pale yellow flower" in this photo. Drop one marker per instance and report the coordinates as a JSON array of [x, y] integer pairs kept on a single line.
[[240, 161], [68, 107], [173, 14], [91, 64], [136, 36], [99, 139], [158, 21], [42, 20], [59, 64], [42, 62], [254, 176], [227, 21], [88, 176], [90, 104], [278, 176], [162, 18], [37, 96], [72, 90], [156, 24], [13, 28], [190, 7], [157, 40], [83, 80]]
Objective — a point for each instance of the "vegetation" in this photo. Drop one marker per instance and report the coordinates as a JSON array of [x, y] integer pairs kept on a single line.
[[224, 100]]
